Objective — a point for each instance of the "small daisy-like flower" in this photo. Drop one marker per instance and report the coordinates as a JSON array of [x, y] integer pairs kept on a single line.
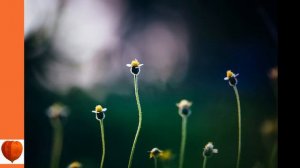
[[57, 110], [166, 155], [155, 152], [75, 165], [231, 77], [184, 108], [209, 150], [135, 66], [99, 110]]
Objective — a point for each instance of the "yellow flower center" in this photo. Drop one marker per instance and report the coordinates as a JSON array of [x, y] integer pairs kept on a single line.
[[135, 63], [98, 108], [229, 74], [75, 165]]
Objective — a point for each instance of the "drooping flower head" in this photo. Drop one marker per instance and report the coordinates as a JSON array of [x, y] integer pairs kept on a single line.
[[209, 150], [184, 108], [231, 77], [134, 66], [100, 112], [155, 153]]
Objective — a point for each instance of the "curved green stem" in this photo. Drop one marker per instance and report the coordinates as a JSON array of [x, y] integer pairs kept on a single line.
[[140, 120], [183, 140], [204, 162], [239, 126], [57, 143], [155, 162], [103, 143]]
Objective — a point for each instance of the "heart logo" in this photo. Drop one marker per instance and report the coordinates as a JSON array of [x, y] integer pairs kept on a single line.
[[12, 150]]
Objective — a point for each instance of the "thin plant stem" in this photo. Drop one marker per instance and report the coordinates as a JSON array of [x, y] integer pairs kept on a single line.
[[155, 162], [103, 143], [273, 155], [183, 140], [204, 162], [140, 120], [239, 126], [57, 142]]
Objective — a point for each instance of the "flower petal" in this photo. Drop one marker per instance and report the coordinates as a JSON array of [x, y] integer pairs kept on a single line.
[[97, 118]]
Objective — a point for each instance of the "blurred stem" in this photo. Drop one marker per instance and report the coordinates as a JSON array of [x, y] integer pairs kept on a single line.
[[103, 143], [239, 126], [155, 162], [140, 119], [183, 140], [57, 142], [273, 155], [204, 162]]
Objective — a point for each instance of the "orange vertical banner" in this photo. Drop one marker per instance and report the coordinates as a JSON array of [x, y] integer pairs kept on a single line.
[[12, 70]]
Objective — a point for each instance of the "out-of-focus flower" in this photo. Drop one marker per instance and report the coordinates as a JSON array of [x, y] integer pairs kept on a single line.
[[209, 150], [273, 73], [269, 128], [57, 110], [135, 66], [184, 108], [75, 164], [166, 155], [100, 112], [231, 77], [155, 152]]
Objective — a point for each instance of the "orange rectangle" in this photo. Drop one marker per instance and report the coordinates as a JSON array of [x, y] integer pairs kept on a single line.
[[12, 71]]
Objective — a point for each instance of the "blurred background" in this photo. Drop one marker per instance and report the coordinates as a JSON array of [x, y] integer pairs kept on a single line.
[[76, 52]]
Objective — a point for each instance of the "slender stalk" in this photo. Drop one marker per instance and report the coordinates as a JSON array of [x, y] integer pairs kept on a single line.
[[273, 155], [103, 143], [183, 140], [239, 126], [204, 162], [140, 120], [57, 143], [155, 162]]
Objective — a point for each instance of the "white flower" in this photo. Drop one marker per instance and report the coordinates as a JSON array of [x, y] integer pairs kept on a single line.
[[184, 108], [209, 150], [135, 66], [155, 152], [99, 110], [57, 110], [231, 77]]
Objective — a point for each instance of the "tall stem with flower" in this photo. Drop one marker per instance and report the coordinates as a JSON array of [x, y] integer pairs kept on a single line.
[[135, 70], [55, 113], [232, 78], [184, 111], [100, 115], [208, 152], [155, 153]]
